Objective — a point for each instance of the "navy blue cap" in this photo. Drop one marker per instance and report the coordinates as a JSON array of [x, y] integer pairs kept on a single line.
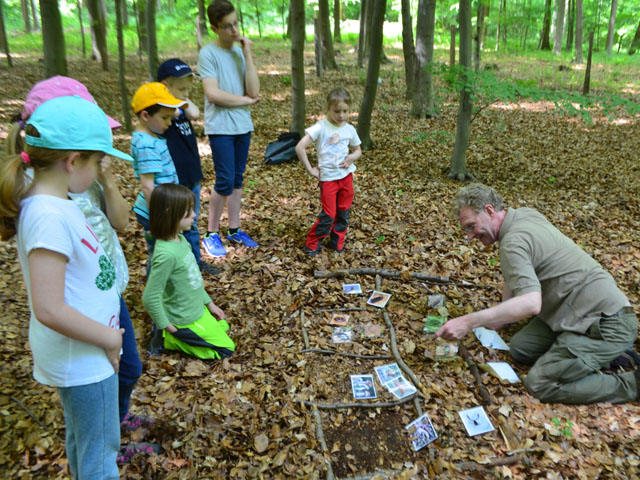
[[174, 67]]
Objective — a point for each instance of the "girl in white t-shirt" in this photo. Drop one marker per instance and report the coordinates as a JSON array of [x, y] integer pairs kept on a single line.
[[74, 331]]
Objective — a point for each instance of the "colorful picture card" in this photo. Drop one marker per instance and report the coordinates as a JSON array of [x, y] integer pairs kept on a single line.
[[379, 299], [476, 421], [339, 319], [421, 432], [351, 288], [342, 335], [363, 387]]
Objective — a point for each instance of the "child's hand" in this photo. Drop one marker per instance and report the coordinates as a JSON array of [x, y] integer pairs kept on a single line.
[[216, 311], [346, 163], [315, 172], [104, 171], [113, 354], [171, 329]]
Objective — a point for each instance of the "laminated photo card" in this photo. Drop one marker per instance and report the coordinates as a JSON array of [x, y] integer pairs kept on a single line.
[[490, 339], [446, 351], [342, 335], [351, 288], [387, 372], [421, 432], [400, 387], [371, 330], [502, 370], [363, 387], [433, 323], [378, 299], [476, 421], [339, 319]]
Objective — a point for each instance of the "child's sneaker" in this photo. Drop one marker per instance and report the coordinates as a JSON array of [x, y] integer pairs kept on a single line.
[[127, 452], [132, 422], [213, 245], [311, 253], [243, 238]]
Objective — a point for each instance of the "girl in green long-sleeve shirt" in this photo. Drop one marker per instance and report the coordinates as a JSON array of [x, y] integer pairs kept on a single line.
[[175, 296]]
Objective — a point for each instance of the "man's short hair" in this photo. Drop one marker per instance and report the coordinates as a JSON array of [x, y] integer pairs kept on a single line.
[[218, 10], [476, 196]]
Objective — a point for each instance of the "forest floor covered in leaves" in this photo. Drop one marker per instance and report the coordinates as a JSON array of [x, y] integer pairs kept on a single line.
[[248, 422]]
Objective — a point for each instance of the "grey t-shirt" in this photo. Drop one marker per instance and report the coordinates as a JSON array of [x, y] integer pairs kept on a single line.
[[228, 67], [536, 257]]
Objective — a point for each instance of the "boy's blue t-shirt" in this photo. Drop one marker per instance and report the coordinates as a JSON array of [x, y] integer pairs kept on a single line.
[[183, 148], [151, 155]]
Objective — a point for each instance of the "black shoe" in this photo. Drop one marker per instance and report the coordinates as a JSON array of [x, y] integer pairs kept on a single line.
[[628, 360], [206, 268], [311, 253]]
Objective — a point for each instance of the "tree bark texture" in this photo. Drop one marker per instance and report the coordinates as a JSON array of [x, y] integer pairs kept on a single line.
[[559, 33], [141, 19], [635, 43], [361, 33], [98, 19], [298, 102], [612, 26], [408, 50], [587, 71], [337, 16], [422, 105], [458, 159], [84, 43], [367, 29], [373, 71], [498, 29], [545, 44], [478, 36], [452, 46], [124, 95], [328, 57], [3, 36], [201, 23], [53, 45], [571, 20], [152, 43], [26, 18], [317, 47], [579, 20], [34, 16]]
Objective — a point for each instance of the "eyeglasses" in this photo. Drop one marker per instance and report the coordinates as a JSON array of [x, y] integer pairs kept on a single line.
[[229, 26]]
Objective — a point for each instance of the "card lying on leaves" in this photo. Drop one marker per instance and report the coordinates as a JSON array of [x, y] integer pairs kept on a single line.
[[421, 432], [351, 288], [371, 330], [339, 319], [475, 420], [400, 387], [502, 370], [342, 335], [433, 323], [363, 387], [387, 372], [446, 351], [490, 339], [378, 299], [435, 301]]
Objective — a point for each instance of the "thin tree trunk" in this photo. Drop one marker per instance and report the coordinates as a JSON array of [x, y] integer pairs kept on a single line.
[[97, 17], [499, 25], [367, 29], [84, 43], [124, 95], [152, 43], [337, 16], [298, 102], [3, 35], [408, 50], [635, 43], [452, 46], [458, 159], [598, 25], [26, 18], [478, 36], [373, 71], [125, 14], [201, 24], [257, 9], [422, 105], [34, 15], [526, 29], [612, 26], [504, 26], [361, 34], [141, 19], [579, 20], [328, 57], [317, 46], [557, 38], [54, 49], [587, 71], [571, 19], [545, 44]]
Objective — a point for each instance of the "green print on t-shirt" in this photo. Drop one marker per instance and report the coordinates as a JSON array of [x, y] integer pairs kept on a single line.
[[107, 276]]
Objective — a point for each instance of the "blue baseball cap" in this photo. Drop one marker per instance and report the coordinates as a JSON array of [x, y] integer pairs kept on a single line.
[[174, 67], [72, 123]]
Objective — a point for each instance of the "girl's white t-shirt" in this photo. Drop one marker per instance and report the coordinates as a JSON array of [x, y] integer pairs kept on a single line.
[[332, 145], [58, 225]]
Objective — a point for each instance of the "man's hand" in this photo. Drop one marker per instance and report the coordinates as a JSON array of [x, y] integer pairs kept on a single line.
[[455, 329]]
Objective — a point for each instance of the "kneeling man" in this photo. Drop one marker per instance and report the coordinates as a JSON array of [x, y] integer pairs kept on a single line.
[[581, 320]]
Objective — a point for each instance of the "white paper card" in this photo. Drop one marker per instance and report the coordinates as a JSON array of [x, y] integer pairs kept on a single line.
[[490, 339], [504, 371]]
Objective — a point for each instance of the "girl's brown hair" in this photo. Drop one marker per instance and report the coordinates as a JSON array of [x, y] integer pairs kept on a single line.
[[14, 181], [168, 205], [338, 94]]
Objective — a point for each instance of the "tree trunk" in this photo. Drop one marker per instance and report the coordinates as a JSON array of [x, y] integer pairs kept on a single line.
[[84, 43], [361, 34], [98, 18], [367, 29], [587, 71], [612, 26], [34, 15], [373, 71], [317, 46], [422, 105], [152, 42], [3, 36], [499, 25], [478, 36], [579, 19], [504, 25], [458, 159], [452, 46], [635, 43], [571, 18], [298, 21], [598, 24], [141, 19], [24, 8], [546, 27], [558, 35], [337, 16], [201, 23], [257, 9], [408, 50], [125, 14], [54, 49], [328, 58], [124, 95], [241, 18]]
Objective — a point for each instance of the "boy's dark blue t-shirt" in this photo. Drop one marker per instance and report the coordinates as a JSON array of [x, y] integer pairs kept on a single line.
[[184, 150]]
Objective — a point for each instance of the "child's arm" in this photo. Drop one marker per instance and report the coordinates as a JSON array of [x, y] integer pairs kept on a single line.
[[147, 184], [301, 151], [47, 275], [117, 207], [162, 266], [191, 110], [355, 154], [215, 310]]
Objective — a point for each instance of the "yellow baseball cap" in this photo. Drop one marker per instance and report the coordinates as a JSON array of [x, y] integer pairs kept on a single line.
[[154, 93]]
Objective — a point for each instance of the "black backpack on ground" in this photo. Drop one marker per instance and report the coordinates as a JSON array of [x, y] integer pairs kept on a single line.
[[282, 150]]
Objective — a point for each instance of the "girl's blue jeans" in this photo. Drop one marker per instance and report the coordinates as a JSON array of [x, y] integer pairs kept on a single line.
[[130, 364]]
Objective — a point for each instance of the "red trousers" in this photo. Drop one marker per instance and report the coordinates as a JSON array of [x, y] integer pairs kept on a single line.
[[336, 197]]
